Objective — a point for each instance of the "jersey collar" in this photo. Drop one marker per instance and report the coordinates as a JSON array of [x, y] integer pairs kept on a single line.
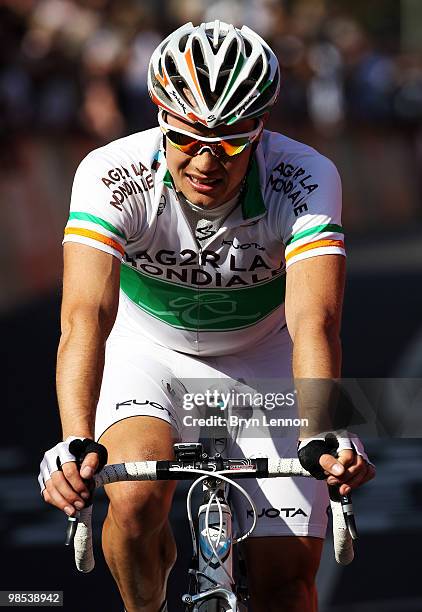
[[252, 201]]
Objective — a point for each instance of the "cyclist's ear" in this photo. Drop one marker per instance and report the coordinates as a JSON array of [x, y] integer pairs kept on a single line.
[[264, 118]]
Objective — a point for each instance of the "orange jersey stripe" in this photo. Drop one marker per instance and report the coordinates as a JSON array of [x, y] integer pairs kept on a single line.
[[189, 61], [315, 245], [79, 231]]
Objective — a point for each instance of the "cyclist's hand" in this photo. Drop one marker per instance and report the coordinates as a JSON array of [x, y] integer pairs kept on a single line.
[[340, 458], [356, 470], [62, 482]]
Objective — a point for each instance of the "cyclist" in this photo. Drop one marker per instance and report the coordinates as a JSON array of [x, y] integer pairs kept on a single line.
[[226, 242]]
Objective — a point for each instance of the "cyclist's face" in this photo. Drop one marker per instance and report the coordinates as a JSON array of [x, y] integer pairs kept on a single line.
[[205, 179]]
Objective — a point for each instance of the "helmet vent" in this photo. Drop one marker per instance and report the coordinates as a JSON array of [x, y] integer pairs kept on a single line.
[[242, 92], [202, 72], [182, 87], [220, 85], [256, 71], [231, 56], [182, 43], [170, 65], [198, 57], [226, 68], [248, 48]]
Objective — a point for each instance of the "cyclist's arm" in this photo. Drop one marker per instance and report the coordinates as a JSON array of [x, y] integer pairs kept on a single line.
[[90, 300], [314, 299]]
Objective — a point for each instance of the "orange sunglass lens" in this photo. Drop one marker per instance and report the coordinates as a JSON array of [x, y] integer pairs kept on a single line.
[[191, 146], [235, 146], [183, 142]]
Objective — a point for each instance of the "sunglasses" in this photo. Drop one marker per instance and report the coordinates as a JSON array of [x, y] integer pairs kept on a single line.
[[192, 144]]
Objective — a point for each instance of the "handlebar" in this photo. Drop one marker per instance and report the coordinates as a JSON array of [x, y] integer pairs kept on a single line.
[[80, 530]]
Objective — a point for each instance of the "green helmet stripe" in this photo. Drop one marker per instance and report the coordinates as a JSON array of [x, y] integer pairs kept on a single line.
[[237, 69], [264, 87]]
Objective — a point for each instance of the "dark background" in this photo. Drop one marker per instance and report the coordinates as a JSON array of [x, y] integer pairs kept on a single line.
[[73, 77]]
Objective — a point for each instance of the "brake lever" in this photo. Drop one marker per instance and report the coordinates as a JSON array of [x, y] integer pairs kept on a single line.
[[72, 524], [72, 521], [347, 508], [349, 516]]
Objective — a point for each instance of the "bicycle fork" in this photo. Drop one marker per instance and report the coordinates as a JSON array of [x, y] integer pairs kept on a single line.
[[221, 593]]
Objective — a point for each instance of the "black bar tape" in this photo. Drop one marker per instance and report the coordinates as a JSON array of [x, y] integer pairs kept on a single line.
[[261, 467], [81, 448], [163, 472], [310, 455]]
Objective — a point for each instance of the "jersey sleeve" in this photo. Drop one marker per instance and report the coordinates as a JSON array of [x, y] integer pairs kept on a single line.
[[97, 218], [312, 225]]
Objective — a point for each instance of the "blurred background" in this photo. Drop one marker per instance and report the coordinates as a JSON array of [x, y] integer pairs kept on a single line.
[[72, 78]]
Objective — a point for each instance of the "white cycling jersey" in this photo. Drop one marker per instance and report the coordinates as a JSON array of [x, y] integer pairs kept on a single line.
[[227, 293]]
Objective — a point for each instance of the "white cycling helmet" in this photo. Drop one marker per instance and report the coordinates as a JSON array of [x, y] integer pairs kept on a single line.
[[214, 74]]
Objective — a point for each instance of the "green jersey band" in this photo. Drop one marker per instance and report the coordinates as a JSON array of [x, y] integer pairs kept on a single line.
[[198, 309]]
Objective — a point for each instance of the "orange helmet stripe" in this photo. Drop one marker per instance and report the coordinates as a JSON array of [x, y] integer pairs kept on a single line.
[[189, 62], [160, 80]]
